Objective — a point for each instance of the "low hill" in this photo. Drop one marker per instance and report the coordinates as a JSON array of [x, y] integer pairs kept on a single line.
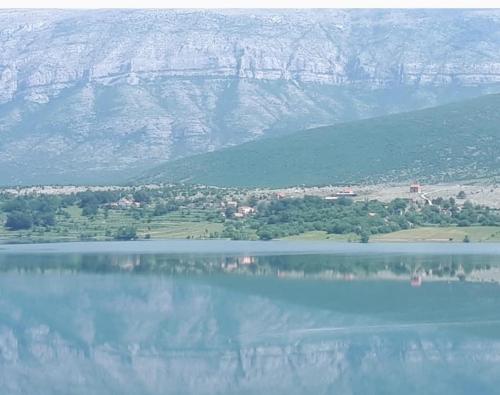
[[450, 142]]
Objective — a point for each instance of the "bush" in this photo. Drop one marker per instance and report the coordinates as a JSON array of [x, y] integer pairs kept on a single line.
[[17, 220], [126, 233], [364, 237], [45, 219], [162, 209], [340, 228], [90, 210], [141, 197], [265, 234]]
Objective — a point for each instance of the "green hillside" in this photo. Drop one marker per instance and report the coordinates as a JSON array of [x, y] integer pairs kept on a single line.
[[451, 142]]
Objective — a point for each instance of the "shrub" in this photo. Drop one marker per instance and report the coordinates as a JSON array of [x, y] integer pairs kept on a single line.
[[364, 237], [17, 220], [126, 233]]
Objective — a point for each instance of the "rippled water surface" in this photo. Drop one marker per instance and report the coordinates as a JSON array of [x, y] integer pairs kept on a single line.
[[248, 319]]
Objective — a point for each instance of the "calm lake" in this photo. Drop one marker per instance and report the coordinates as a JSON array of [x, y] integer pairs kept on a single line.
[[189, 317]]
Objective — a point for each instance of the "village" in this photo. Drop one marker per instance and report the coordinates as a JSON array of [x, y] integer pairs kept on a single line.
[[342, 213]]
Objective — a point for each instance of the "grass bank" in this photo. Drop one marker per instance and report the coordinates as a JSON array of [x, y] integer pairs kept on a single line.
[[422, 234]]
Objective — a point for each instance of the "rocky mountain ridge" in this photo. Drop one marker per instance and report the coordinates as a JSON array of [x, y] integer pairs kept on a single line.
[[86, 96]]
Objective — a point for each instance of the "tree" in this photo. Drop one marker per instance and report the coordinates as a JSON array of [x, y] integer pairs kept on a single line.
[[339, 227], [47, 218], [90, 210], [466, 239], [141, 196], [252, 201], [364, 237], [229, 212], [461, 195], [398, 206], [17, 220], [265, 234], [126, 233], [162, 209], [344, 201], [18, 204]]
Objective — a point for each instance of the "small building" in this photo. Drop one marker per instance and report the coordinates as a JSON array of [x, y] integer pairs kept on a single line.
[[125, 203], [246, 210], [415, 188], [348, 192], [231, 203]]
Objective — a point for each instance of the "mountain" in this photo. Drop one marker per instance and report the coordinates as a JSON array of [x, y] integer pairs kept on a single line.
[[93, 96], [450, 142]]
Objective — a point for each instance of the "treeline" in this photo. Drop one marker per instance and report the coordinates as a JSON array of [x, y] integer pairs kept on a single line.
[[288, 217]]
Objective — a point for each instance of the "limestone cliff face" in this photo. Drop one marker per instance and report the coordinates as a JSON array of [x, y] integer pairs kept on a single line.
[[110, 91]]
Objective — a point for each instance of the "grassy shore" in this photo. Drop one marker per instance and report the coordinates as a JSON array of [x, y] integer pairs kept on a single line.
[[445, 234], [423, 234]]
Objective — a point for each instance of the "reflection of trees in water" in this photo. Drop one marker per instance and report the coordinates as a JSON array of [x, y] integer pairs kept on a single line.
[[366, 266], [328, 265]]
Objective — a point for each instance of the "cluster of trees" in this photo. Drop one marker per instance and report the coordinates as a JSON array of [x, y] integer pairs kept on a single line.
[[164, 208], [32, 212], [281, 218], [287, 217], [446, 212], [24, 213], [90, 202]]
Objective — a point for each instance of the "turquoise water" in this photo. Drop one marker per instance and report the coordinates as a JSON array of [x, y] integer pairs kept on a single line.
[[222, 319]]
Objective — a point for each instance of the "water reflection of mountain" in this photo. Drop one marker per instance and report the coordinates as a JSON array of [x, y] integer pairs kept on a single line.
[[324, 266], [118, 334]]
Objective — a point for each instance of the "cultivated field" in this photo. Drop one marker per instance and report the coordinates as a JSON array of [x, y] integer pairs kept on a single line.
[[74, 226]]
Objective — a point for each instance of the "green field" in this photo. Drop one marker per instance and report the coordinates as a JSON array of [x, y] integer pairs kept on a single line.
[[423, 234], [181, 224], [456, 234], [451, 142]]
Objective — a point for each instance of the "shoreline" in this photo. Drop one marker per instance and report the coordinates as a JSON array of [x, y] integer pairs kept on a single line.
[[292, 240], [183, 246]]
